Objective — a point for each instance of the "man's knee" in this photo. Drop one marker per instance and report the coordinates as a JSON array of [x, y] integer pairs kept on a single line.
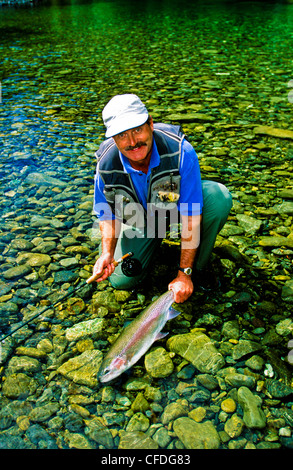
[[217, 199], [123, 282], [225, 198]]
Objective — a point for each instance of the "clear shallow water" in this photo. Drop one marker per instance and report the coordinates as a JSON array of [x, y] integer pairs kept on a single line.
[[69, 58], [62, 61], [60, 64], [76, 55]]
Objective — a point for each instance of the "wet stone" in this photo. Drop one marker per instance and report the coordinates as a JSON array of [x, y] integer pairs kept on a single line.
[[228, 405], [140, 403], [106, 299], [77, 441], [276, 241], [43, 179], [84, 329], [162, 437], [19, 385], [285, 327], [254, 416], [234, 426], [158, 363], [4, 288], [255, 363], [43, 413], [196, 435], [14, 442], [245, 347], [199, 350], [238, 380], [34, 259], [287, 291], [249, 224], [197, 414], [230, 329], [223, 378], [173, 411], [23, 364], [17, 271], [83, 369], [136, 440], [99, 433], [21, 244], [60, 277], [278, 389], [138, 422]]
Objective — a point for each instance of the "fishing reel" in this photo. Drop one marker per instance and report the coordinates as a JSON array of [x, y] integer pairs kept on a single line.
[[131, 266]]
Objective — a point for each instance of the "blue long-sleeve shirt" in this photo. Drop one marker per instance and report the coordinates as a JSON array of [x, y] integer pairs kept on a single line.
[[190, 201]]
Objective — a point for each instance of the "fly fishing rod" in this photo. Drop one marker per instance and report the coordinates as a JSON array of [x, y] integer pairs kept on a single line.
[[131, 267]]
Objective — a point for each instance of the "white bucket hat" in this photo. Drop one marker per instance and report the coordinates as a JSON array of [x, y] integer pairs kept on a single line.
[[123, 112]]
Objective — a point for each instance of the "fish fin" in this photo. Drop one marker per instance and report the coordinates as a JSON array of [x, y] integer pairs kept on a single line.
[[161, 335], [172, 313], [119, 362]]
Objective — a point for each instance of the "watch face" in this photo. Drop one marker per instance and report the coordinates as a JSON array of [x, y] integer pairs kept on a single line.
[[187, 271]]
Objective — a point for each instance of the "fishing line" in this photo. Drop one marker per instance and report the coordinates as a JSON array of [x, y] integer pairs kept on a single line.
[[94, 277]]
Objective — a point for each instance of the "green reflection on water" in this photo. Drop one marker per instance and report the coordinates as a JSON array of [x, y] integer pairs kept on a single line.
[[62, 61], [115, 46]]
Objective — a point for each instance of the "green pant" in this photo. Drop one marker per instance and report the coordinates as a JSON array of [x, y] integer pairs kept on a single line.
[[217, 203]]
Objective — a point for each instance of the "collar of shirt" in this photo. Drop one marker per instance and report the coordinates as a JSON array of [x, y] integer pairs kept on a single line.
[[139, 179], [155, 161]]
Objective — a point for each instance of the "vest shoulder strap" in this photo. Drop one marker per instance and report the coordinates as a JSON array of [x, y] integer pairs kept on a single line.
[[168, 139]]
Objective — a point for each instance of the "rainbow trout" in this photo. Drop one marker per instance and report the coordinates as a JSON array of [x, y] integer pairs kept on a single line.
[[137, 337]]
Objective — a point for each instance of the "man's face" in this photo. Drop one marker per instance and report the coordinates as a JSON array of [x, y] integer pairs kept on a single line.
[[136, 143]]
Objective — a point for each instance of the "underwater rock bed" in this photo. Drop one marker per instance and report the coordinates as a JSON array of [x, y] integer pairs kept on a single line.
[[225, 79]]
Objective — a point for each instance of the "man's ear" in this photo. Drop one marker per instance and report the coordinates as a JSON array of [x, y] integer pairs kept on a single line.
[[151, 122]]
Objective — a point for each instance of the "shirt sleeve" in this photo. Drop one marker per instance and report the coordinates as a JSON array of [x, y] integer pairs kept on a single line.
[[101, 207], [191, 200]]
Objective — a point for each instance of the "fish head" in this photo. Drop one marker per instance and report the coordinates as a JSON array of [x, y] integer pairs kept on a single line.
[[112, 368]]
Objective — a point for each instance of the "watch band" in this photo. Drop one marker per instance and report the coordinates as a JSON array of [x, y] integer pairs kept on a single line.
[[187, 271]]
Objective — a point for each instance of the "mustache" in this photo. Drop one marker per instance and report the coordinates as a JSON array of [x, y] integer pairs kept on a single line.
[[136, 146]]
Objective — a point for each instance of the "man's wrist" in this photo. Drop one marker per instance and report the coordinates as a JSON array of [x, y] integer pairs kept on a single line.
[[187, 270]]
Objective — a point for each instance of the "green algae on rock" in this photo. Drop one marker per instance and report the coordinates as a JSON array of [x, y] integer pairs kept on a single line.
[[198, 349]]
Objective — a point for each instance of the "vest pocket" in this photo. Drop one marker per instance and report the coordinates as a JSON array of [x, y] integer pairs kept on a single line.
[[165, 190], [125, 207]]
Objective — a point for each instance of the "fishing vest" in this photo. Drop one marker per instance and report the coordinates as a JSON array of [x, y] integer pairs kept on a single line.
[[164, 185]]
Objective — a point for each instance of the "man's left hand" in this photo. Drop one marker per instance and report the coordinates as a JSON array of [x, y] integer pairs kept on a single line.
[[182, 286]]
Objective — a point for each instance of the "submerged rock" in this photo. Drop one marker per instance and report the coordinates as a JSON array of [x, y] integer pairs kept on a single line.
[[254, 416], [136, 440], [84, 329], [198, 349], [245, 347], [43, 179], [287, 291], [278, 389], [173, 411], [83, 369], [17, 271], [19, 386], [49, 239], [158, 363], [274, 132], [196, 435], [249, 224], [99, 433]]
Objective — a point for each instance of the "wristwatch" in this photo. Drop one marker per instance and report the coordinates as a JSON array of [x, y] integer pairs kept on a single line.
[[187, 271]]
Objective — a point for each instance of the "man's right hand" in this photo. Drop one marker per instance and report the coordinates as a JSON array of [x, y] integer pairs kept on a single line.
[[104, 263]]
